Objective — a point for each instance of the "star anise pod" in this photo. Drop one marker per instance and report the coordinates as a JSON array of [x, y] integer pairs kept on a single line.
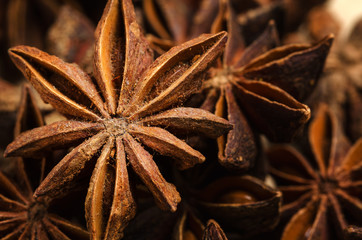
[[297, 11], [173, 21], [323, 195], [240, 204], [71, 38], [25, 22], [351, 55], [9, 102], [152, 223], [260, 85], [21, 215], [340, 86], [213, 231], [176, 21], [138, 100], [249, 84]]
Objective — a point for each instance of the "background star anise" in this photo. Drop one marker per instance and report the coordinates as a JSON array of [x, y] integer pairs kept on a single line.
[[244, 207], [25, 22], [324, 197], [172, 22], [234, 90], [341, 83], [213, 231], [259, 88], [128, 119], [124, 116], [21, 215], [71, 38]]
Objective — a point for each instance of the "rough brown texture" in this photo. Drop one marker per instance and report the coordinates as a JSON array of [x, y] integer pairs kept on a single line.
[[109, 124], [256, 87], [243, 204], [323, 197], [126, 132], [213, 231], [21, 215]]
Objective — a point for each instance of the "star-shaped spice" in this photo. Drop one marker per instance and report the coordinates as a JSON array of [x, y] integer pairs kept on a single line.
[[21, 215], [251, 85], [324, 196], [138, 99], [259, 88]]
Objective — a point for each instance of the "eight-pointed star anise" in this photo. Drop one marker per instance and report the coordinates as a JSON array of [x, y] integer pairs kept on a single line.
[[324, 196], [250, 84], [260, 87], [21, 215], [138, 100]]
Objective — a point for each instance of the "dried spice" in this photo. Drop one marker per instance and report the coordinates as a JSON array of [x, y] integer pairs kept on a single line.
[[297, 10], [10, 95], [254, 85], [323, 197], [174, 22], [25, 22], [213, 231], [241, 204], [244, 206], [321, 22], [341, 87], [351, 54], [116, 129], [188, 226], [9, 99], [244, 85], [125, 114], [21, 215], [254, 20], [182, 225], [71, 38]]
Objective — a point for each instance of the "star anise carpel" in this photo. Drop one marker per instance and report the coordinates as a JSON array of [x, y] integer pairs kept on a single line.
[[173, 22], [213, 231], [323, 194], [22, 216], [133, 102]]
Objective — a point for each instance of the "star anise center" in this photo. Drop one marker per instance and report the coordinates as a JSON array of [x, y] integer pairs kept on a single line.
[[327, 185], [36, 211], [219, 77], [116, 126]]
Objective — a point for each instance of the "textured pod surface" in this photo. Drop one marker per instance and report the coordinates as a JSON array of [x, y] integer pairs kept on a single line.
[[273, 111], [242, 203], [110, 117], [313, 191], [21, 215], [289, 67]]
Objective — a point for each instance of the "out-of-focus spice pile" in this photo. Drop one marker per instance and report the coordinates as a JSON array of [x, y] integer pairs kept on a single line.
[[179, 119]]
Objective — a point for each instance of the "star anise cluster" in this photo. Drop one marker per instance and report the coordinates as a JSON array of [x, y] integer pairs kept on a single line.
[[178, 119]]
